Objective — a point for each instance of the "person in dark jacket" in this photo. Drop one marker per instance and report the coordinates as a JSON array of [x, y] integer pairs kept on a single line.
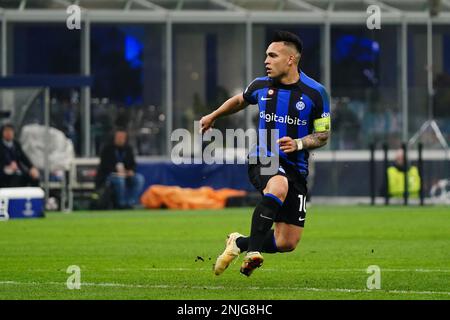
[[118, 168], [16, 169]]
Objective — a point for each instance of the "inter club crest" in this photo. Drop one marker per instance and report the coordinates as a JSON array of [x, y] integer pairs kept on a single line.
[[300, 105]]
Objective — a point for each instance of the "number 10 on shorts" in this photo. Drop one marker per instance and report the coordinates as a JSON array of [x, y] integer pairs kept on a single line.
[[302, 203]]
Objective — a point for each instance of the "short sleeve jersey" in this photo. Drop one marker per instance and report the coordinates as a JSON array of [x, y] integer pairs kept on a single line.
[[294, 110]]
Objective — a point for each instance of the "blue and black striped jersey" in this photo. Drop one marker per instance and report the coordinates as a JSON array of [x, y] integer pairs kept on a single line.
[[294, 110]]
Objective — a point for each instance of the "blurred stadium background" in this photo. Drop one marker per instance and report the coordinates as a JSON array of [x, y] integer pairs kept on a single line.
[[154, 66]]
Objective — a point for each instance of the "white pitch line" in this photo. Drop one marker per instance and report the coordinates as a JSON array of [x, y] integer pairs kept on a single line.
[[123, 285], [284, 270], [399, 270]]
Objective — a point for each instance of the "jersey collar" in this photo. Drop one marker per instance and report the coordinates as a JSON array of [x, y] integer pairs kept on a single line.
[[291, 86]]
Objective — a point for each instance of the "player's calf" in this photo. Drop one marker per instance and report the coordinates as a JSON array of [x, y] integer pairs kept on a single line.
[[286, 243], [287, 236], [286, 246]]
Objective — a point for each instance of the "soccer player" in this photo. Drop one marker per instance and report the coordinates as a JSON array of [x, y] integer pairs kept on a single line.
[[298, 107]]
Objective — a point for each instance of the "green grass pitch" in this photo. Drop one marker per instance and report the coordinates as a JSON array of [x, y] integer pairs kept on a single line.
[[156, 255]]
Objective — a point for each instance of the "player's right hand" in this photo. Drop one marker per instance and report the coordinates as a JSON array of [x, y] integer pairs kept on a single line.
[[206, 123], [287, 144]]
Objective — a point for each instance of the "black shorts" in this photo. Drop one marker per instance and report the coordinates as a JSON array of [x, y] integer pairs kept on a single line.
[[293, 210]]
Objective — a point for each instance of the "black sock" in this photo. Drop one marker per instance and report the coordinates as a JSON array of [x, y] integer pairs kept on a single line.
[[269, 244], [262, 220], [242, 243]]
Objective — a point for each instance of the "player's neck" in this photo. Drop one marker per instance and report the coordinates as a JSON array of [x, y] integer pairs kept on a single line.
[[290, 78]]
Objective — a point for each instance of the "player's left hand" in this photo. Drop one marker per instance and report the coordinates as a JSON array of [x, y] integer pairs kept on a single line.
[[206, 123], [287, 144]]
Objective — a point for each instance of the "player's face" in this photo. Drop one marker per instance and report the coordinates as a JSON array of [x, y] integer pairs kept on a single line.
[[279, 58]]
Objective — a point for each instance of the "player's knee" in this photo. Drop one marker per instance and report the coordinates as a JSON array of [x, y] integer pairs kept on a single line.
[[280, 194], [283, 191], [278, 187]]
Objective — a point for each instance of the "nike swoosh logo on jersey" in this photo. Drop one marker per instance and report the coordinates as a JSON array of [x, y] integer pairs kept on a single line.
[[300, 219], [264, 98]]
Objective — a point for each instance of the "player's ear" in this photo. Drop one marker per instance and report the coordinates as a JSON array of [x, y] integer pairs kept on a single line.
[[291, 60]]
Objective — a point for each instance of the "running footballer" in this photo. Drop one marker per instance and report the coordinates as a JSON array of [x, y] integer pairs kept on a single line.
[[298, 108]]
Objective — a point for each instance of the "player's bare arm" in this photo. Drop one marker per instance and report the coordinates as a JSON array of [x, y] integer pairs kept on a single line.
[[315, 140], [232, 105], [309, 142]]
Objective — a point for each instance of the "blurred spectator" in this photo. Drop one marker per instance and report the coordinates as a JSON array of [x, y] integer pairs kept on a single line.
[[396, 177], [346, 127], [16, 170], [117, 170]]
